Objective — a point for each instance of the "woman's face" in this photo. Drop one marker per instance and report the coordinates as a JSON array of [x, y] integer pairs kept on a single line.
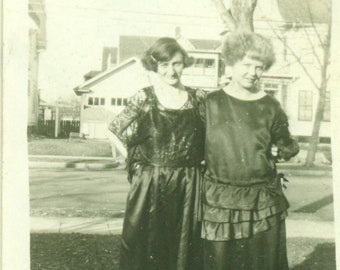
[[171, 71], [247, 72]]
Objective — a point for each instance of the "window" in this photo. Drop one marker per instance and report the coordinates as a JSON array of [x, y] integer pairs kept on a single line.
[[209, 63], [119, 102], [327, 109], [124, 101], [96, 101], [113, 101], [199, 62], [90, 101], [305, 105], [102, 101], [271, 88]]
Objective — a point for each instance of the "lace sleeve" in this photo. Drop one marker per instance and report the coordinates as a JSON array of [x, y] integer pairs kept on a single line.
[[124, 125], [201, 96]]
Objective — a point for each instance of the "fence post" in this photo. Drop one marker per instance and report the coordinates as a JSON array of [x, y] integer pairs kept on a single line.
[[56, 123]]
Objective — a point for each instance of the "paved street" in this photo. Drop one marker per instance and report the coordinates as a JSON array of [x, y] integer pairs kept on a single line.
[[103, 193]]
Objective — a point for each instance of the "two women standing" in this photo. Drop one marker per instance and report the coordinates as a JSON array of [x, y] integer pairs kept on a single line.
[[165, 128]]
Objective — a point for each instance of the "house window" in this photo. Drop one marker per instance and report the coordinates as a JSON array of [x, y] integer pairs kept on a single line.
[[124, 101], [119, 102], [199, 63], [113, 101], [305, 105], [271, 88], [210, 63], [102, 101], [96, 101], [327, 109], [90, 102]]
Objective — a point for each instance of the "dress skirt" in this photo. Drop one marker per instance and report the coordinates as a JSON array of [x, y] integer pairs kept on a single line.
[[161, 227], [263, 251]]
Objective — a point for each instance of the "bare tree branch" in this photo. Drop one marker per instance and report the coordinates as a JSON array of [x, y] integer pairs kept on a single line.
[[313, 25], [295, 56], [225, 15], [312, 46]]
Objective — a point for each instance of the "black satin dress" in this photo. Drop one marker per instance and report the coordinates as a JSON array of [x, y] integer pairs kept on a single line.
[[244, 206], [161, 228]]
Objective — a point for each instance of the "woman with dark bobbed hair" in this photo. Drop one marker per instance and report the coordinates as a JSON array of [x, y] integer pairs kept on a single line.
[[162, 132], [244, 208]]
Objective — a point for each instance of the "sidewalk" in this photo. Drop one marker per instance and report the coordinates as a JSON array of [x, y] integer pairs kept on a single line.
[[295, 227], [103, 163]]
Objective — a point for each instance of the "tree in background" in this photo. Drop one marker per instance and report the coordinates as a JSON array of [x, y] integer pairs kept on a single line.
[[239, 17]]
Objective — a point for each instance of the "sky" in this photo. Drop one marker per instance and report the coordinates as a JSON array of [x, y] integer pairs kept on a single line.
[[77, 31]]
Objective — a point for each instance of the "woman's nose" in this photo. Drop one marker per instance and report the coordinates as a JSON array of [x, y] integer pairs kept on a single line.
[[252, 70], [171, 69]]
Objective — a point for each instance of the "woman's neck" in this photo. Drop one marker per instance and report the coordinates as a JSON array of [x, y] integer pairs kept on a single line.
[[239, 92]]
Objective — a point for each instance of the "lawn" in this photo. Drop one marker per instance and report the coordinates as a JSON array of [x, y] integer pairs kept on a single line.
[[62, 147], [101, 252]]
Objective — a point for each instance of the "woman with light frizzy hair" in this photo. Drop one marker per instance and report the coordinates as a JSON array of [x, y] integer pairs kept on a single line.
[[244, 208]]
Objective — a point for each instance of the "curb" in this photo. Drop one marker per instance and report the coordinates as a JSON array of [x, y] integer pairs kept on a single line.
[[80, 165], [294, 228], [109, 164]]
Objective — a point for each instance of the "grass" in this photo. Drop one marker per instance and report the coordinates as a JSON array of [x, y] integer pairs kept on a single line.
[[101, 252], [62, 147], [74, 252]]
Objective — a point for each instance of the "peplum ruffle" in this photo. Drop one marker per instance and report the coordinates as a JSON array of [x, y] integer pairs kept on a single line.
[[236, 212]]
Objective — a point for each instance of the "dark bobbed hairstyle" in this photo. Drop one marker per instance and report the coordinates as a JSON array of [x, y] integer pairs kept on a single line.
[[163, 50], [238, 45]]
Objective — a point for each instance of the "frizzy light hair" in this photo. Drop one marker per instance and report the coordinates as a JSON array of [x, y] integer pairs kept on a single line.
[[238, 45], [163, 50]]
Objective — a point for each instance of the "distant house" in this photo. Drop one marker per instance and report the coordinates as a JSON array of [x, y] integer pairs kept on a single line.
[[37, 43], [106, 93], [286, 80]]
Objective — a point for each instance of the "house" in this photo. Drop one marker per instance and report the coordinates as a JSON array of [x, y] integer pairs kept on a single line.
[[287, 80], [106, 94], [37, 43]]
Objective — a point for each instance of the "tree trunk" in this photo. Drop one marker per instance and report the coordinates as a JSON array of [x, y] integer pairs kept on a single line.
[[240, 15], [314, 140]]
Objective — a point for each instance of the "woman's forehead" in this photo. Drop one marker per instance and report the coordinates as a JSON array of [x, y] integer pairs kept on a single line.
[[177, 57], [252, 59]]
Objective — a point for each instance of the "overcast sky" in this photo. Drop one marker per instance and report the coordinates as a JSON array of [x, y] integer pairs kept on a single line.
[[77, 30]]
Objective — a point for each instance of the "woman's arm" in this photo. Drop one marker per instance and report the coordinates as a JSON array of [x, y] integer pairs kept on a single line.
[[281, 137], [124, 126]]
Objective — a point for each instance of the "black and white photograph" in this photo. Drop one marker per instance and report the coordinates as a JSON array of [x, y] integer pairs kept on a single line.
[[170, 135]]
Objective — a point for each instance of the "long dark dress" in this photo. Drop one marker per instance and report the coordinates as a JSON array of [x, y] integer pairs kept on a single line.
[[161, 228], [244, 206]]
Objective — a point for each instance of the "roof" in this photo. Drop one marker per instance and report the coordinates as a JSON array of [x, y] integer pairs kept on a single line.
[[89, 75], [204, 44], [84, 87], [305, 11], [135, 46]]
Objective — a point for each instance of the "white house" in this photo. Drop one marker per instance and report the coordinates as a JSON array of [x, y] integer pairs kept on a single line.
[[37, 43], [106, 94]]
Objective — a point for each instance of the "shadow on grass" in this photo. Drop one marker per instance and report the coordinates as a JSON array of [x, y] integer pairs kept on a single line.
[[74, 251], [322, 258]]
